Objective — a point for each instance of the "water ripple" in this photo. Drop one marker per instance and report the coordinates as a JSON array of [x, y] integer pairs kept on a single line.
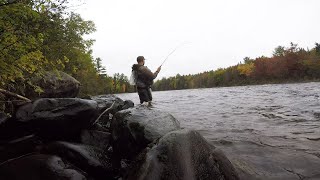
[[246, 113]]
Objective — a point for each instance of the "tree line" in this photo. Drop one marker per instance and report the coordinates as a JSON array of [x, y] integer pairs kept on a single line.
[[45, 35], [287, 64]]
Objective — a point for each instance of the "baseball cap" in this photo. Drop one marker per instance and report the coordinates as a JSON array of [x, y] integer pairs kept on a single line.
[[140, 58]]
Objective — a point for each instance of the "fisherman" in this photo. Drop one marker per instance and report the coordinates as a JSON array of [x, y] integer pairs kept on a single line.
[[143, 80]]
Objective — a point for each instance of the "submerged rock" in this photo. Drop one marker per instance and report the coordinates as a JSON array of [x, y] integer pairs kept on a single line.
[[40, 167], [58, 118], [90, 159], [182, 155], [55, 85], [133, 129]]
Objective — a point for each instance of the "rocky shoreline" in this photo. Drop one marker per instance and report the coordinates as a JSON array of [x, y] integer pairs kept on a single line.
[[57, 136], [60, 138]]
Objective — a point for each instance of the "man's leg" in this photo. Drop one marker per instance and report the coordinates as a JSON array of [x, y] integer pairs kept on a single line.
[[143, 95], [140, 93], [149, 96]]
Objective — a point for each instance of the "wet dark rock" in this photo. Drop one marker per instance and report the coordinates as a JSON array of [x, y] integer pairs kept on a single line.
[[39, 167], [96, 138], [182, 155], [18, 147], [98, 127], [105, 101], [55, 85], [2, 103], [88, 158], [58, 118], [128, 104], [3, 117], [108, 105], [133, 129], [104, 153], [11, 129]]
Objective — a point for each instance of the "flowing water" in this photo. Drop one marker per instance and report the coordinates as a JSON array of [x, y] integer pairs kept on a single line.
[[267, 131]]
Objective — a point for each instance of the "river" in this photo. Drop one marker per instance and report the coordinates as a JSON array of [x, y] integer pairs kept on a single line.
[[267, 131]]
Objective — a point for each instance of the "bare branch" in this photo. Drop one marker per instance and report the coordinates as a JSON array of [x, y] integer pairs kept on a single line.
[[105, 111], [14, 95]]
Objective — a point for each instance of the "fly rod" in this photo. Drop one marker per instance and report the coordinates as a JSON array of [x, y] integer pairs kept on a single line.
[[172, 52]]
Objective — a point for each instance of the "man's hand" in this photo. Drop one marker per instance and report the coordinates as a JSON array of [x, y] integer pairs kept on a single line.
[[159, 68]]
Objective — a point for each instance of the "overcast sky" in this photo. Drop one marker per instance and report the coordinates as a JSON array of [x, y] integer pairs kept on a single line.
[[219, 33]]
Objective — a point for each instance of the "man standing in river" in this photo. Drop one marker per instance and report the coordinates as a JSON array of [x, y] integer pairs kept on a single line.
[[144, 79]]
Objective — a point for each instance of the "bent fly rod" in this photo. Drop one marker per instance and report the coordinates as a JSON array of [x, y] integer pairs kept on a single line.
[[173, 52]]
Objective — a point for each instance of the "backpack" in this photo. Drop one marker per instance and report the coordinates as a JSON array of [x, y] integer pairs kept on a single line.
[[133, 78]]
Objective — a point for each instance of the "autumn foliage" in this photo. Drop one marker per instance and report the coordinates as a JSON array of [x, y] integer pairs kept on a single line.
[[287, 64], [45, 35]]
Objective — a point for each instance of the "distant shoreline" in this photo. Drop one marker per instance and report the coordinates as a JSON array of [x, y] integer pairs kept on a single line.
[[256, 84]]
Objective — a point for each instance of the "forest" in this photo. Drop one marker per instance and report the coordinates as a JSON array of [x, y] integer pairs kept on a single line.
[[287, 64], [45, 35]]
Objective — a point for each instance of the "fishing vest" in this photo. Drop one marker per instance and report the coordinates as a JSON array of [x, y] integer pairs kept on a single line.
[[142, 80]]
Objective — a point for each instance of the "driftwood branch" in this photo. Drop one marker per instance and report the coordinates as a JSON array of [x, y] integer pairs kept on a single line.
[[14, 95], [105, 111]]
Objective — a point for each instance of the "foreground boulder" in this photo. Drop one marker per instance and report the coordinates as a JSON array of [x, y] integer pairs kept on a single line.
[[182, 155], [90, 159], [95, 138], [12, 129], [58, 118], [18, 147], [39, 167], [133, 129], [55, 85]]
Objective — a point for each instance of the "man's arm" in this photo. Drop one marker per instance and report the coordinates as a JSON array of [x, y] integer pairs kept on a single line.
[[148, 73]]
